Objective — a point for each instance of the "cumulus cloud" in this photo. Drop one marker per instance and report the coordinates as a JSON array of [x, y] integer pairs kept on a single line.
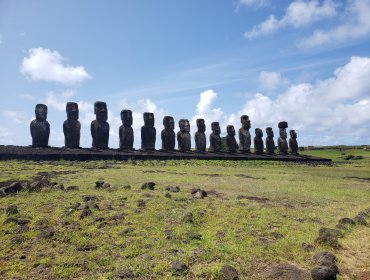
[[271, 80], [356, 24], [58, 101], [298, 14], [253, 3], [47, 65]]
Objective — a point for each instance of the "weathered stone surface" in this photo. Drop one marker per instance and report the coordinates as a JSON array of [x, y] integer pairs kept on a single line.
[[183, 136], [40, 127], [228, 273], [326, 259], [179, 268], [72, 127], [200, 137], [244, 135], [360, 220], [215, 139], [85, 212], [125, 274], [100, 127], [293, 144], [172, 189], [270, 143], [168, 135], [282, 142], [329, 236], [287, 272], [148, 185], [346, 221], [12, 188], [99, 184], [258, 141], [231, 144], [148, 133], [11, 210], [71, 188], [323, 273], [126, 133], [198, 193]]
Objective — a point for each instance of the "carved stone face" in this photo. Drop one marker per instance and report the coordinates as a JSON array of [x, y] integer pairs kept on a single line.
[[201, 125], [101, 111], [293, 134], [246, 123], [230, 130], [126, 117], [258, 132], [41, 112], [72, 111], [282, 133], [149, 119], [216, 128], [169, 123], [184, 126], [270, 132]]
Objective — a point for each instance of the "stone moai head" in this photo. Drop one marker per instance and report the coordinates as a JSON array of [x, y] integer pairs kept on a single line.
[[259, 132], [201, 125], [216, 128], [72, 111], [169, 123], [230, 130], [282, 129], [246, 123], [41, 112], [184, 125], [101, 111], [293, 134], [148, 119], [269, 132], [126, 117]]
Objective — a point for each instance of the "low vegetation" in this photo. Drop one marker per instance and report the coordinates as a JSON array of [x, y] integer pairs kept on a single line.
[[255, 216]]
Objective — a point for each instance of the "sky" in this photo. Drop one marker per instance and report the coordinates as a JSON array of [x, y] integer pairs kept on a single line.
[[304, 62]]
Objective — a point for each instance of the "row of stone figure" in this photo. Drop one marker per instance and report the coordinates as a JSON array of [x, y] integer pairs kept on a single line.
[[40, 130]]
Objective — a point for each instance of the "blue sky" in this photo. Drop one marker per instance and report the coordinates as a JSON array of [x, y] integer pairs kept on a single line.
[[305, 62]]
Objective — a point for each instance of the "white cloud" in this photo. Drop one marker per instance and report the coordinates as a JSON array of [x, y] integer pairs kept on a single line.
[[15, 116], [271, 80], [356, 25], [298, 14], [253, 3], [47, 65], [58, 101]]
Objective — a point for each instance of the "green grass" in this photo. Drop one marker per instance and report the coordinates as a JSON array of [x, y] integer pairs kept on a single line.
[[242, 233]]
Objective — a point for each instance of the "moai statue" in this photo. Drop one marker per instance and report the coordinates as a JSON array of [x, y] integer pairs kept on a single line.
[[168, 135], [293, 144], [258, 141], [282, 143], [40, 127], [214, 138], [148, 133], [183, 136], [244, 135], [126, 133], [231, 144], [100, 127], [270, 144], [72, 127], [200, 137]]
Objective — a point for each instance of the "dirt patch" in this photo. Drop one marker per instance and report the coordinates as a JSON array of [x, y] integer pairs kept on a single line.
[[253, 198], [249, 177], [357, 178]]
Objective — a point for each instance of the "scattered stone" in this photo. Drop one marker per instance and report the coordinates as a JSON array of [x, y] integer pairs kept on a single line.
[[17, 221], [198, 193], [329, 236], [11, 210], [87, 198], [195, 236], [147, 195], [188, 218], [22, 257], [228, 273], [172, 189], [102, 224], [148, 185], [168, 195], [125, 274], [127, 231], [141, 203], [46, 233], [360, 220], [326, 259], [99, 184], [346, 221], [179, 268], [22, 229], [287, 272], [169, 234], [93, 205], [323, 273], [106, 186], [13, 188], [127, 187], [277, 235], [85, 212], [72, 188], [18, 239], [197, 252], [307, 247], [41, 224], [87, 247]]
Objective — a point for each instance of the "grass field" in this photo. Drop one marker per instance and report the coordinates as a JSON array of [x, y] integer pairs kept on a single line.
[[257, 214]]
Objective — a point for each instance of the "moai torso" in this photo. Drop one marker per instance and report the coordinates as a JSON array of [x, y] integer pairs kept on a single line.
[[282, 143], [148, 133], [215, 139], [244, 135], [258, 141], [183, 136], [72, 127], [168, 135], [200, 137], [231, 144], [40, 127], [126, 133], [270, 143], [293, 144], [100, 127]]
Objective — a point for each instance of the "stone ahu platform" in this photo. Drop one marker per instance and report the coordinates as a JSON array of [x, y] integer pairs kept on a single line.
[[84, 154]]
